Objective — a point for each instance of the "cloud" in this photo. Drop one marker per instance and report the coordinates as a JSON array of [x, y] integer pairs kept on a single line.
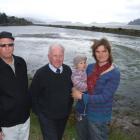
[[74, 10]]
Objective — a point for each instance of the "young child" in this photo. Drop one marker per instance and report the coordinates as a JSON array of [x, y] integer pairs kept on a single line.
[[79, 76]]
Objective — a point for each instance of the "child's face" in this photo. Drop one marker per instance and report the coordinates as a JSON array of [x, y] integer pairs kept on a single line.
[[82, 65]]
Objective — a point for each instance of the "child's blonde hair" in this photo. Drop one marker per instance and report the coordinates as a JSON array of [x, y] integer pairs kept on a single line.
[[78, 59]]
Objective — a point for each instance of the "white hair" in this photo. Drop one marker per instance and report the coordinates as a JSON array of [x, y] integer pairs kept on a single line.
[[55, 45]]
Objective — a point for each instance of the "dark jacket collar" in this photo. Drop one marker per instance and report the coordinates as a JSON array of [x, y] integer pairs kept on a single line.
[[16, 62]]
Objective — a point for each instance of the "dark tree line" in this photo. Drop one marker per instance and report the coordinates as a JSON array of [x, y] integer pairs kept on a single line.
[[12, 20], [3, 18], [123, 31]]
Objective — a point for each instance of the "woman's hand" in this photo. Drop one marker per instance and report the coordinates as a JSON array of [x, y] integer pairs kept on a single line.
[[76, 94]]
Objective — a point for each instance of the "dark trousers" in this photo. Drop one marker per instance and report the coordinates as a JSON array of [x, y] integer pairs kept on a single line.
[[88, 130], [82, 129], [52, 129]]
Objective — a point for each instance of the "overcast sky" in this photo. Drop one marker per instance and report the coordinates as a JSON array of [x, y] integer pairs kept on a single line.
[[86, 11]]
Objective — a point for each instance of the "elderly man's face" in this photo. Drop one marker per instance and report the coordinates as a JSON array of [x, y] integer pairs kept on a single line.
[[56, 56]]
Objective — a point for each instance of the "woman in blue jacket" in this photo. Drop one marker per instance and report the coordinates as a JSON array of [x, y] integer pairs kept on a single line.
[[94, 107]]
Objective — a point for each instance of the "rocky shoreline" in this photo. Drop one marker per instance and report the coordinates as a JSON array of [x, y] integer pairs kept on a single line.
[[126, 116]]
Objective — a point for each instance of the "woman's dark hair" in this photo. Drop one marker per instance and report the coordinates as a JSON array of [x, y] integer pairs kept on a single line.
[[106, 44]]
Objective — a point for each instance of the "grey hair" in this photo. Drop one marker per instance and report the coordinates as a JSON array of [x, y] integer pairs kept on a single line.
[[55, 45]]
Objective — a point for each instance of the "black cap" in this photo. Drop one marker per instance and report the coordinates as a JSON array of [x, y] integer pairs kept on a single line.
[[5, 34]]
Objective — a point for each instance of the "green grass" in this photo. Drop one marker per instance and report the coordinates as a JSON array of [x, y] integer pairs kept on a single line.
[[70, 133], [119, 135], [35, 132]]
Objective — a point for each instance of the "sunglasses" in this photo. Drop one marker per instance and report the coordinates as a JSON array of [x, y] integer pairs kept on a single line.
[[9, 45]]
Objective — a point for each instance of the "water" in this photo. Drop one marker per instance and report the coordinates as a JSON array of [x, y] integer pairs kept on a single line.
[[32, 44]]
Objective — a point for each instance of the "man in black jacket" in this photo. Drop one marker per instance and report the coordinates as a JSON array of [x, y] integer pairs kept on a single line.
[[14, 97], [51, 94]]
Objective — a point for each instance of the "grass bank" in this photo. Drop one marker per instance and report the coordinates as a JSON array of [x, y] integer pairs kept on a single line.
[[70, 133]]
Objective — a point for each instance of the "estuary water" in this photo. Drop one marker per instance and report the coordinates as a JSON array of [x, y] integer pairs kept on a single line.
[[32, 44]]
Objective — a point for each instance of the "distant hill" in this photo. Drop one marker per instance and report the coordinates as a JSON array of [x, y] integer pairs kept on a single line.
[[65, 23], [12, 20], [34, 20], [134, 22]]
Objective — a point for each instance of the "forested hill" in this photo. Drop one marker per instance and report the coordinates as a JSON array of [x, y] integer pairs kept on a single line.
[[134, 22], [12, 20]]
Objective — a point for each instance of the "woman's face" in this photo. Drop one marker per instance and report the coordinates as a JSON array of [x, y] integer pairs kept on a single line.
[[102, 54]]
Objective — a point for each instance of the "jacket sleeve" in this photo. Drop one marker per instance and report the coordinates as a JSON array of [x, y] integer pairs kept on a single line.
[[34, 91], [107, 93]]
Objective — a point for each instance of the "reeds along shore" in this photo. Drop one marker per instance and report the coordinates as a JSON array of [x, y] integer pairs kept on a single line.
[[121, 31]]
